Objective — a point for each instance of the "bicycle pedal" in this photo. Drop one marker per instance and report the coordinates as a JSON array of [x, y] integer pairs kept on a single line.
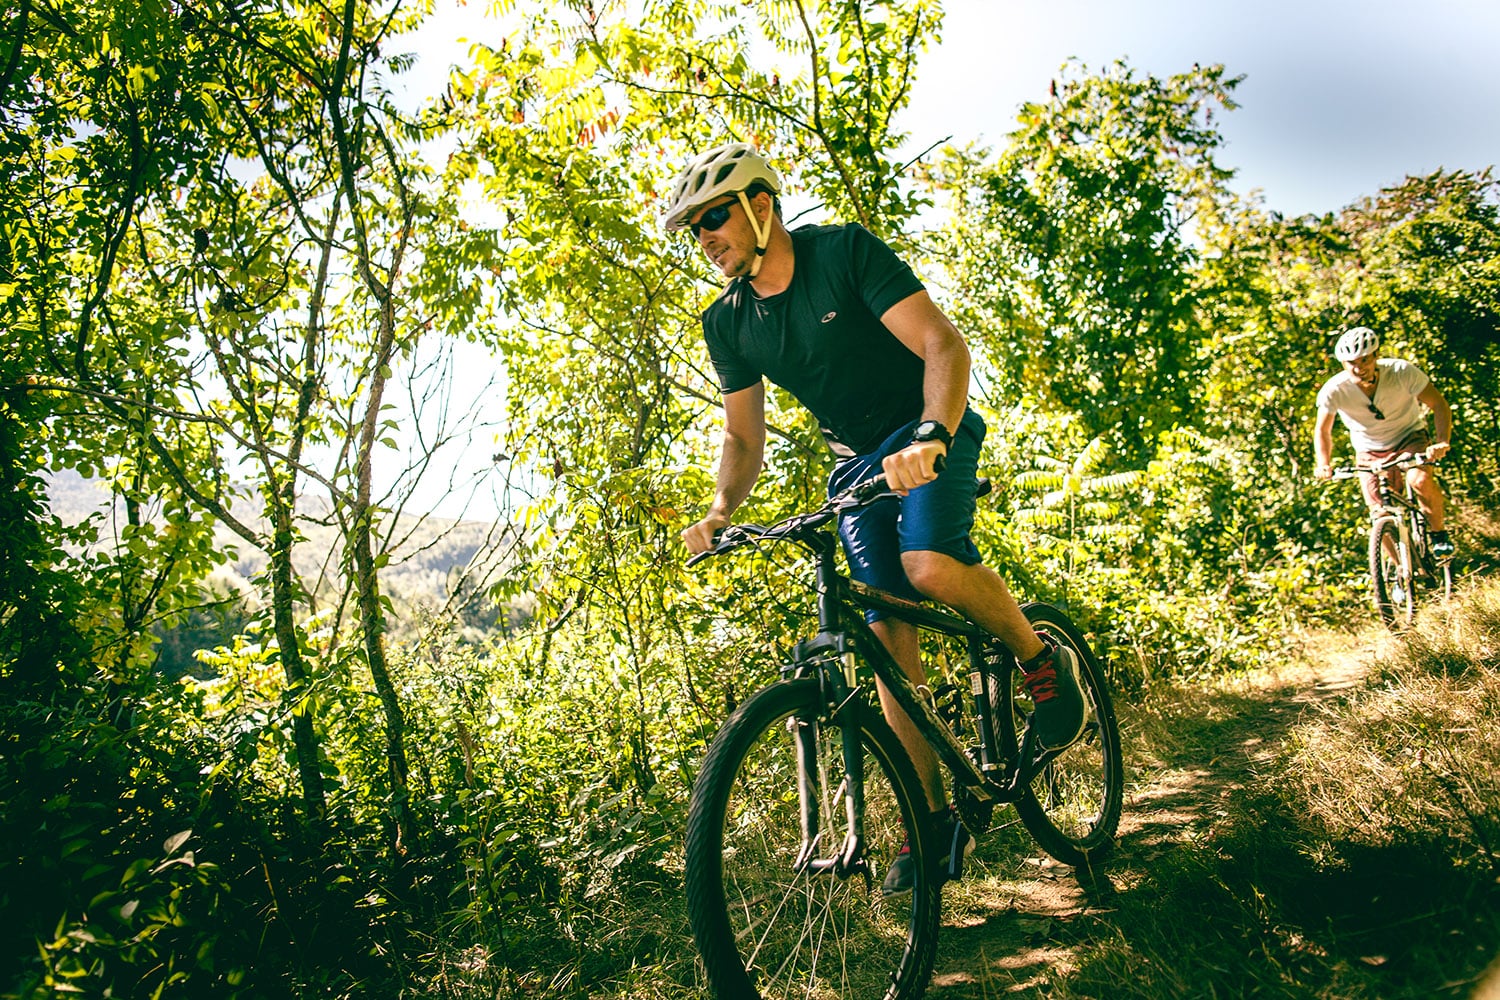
[[957, 852]]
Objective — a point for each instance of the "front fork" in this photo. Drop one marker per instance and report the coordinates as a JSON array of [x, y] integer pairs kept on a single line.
[[1403, 553], [991, 672], [986, 779], [830, 658]]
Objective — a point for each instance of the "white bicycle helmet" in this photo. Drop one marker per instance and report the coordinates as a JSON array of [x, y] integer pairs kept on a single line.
[[726, 169], [1356, 343]]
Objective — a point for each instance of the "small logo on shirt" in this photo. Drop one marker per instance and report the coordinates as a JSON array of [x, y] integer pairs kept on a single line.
[[829, 317]]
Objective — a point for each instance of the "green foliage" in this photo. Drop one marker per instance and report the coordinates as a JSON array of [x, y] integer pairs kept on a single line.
[[41, 644], [97, 883], [1429, 250], [1414, 261], [146, 936], [1071, 255], [1076, 505], [381, 799]]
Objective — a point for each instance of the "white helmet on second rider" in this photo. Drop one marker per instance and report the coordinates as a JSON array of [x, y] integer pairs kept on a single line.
[[1356, 343]]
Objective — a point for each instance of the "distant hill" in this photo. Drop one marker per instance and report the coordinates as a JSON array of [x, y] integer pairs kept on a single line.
[[433, 556]]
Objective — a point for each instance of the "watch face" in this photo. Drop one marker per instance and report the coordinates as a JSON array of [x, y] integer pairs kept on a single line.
[[930, 431]]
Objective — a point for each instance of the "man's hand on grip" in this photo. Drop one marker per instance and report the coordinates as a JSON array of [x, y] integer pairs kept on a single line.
[[700, 537], [914, 465]]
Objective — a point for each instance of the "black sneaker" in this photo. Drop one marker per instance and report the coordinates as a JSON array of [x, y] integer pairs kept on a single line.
[[1442, 545], [954, 844], [1058, 699], [898, 876]]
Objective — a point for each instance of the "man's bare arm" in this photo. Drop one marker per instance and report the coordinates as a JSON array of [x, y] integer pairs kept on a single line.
[[928, 333], [1442, 419], [1323, 445], [742, 452]]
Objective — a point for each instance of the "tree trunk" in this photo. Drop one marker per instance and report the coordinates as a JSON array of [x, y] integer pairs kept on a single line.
[[367, 582], [283, 612]]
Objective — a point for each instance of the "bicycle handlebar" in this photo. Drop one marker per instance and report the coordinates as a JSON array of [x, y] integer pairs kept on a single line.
[[1395, 462], [861, 494]]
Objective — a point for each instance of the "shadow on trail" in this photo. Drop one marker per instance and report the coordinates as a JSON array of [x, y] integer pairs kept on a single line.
[[1217, 889]]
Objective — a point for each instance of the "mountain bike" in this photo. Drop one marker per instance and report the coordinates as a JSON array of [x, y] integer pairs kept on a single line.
[[1401, 556], [806, 795]]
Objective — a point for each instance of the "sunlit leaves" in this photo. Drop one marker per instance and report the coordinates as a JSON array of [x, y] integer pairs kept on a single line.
[[1074, 251]]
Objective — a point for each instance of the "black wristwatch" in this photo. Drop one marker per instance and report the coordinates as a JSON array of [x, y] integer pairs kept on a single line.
[[931, 430]]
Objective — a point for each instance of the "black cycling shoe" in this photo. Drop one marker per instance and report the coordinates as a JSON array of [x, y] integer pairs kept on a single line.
[[954, 844], [1058, 717]]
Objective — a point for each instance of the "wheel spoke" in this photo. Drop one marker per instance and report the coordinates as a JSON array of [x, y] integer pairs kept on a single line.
[[806, 934]]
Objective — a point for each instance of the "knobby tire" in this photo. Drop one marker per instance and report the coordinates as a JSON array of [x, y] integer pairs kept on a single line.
[[762, 927], [1390, 586], [1072, 807]]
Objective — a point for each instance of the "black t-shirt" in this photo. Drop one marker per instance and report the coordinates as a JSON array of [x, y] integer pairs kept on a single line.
[[822, 340]]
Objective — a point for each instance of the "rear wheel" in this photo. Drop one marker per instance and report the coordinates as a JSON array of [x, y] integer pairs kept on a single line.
[[1390, 580], [1073, 805], [768, 925]]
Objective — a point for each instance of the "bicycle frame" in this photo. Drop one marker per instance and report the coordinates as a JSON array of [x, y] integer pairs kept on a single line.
[[1398, 532], [832, 655]]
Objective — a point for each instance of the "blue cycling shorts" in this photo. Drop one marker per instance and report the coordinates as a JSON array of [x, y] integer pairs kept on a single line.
[[935, 517]]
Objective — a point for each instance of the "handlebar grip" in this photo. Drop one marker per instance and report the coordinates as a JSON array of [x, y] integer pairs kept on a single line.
[[698, 557], [871, 488]]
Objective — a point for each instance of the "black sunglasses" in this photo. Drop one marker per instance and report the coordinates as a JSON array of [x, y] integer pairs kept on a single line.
[[1376, 410], [712, 219]]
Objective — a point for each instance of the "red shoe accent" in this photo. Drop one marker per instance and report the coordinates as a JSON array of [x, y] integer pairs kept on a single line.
[[1042, 682]]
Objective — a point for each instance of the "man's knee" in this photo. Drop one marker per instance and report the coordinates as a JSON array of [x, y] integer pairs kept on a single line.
[[1422, 480], [932, 573]]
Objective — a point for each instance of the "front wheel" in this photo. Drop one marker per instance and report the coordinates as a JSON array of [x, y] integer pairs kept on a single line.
[[1073, 805], [1391, 584], [770, 921]]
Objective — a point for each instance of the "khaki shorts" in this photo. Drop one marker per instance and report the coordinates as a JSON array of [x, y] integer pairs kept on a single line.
[[1414, 443]]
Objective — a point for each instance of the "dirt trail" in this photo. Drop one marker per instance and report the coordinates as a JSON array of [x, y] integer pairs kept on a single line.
[[1006, 935]]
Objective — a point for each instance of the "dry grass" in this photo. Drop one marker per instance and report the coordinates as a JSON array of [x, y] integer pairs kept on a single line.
[[1327, 830], [1415, 756]]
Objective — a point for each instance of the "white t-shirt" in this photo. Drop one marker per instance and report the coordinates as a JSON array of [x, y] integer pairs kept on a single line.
[[1396, 390]]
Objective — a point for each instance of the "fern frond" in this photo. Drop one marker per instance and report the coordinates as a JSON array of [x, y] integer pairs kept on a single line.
[[1037, 479], [1116, 483], [1046, 520]]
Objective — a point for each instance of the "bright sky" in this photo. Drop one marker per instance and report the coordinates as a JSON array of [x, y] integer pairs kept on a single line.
[[1340, 98]]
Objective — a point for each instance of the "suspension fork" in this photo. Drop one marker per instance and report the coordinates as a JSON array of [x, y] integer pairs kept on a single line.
[[987, 660], [1401, 513], [830, 658], [1408, 568]]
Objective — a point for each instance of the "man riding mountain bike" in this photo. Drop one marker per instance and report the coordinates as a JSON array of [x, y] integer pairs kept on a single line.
[[832, 315], [1380, 402]]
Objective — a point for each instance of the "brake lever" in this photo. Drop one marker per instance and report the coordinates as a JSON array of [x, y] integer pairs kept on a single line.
[[726, 539]]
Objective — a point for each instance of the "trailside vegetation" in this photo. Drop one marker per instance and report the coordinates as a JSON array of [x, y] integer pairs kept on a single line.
[[246, 282]]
